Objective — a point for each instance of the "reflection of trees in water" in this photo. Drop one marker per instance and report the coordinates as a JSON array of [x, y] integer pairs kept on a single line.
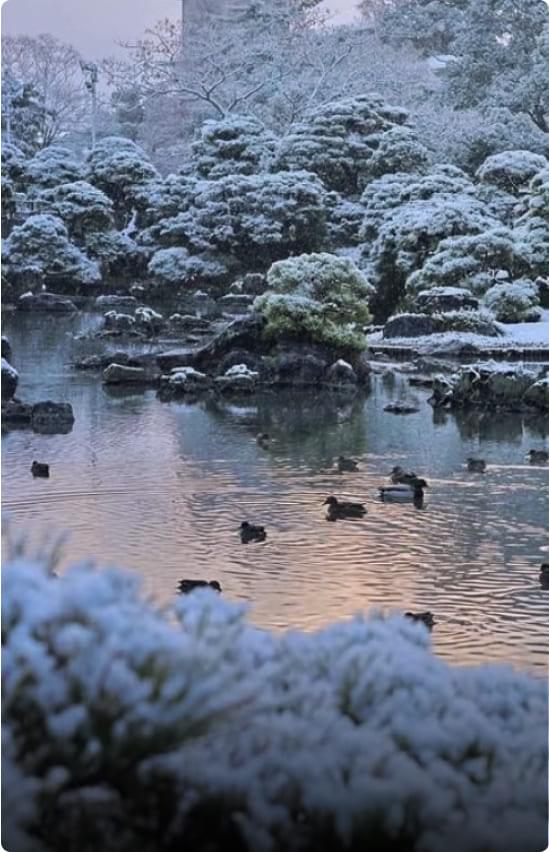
[[501, 426], [305, 425]]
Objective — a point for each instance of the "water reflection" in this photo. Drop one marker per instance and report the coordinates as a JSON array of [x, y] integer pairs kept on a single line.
[[163, 487]]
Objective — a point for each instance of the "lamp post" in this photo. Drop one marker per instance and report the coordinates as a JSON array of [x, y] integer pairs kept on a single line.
[[89, 69], [183, 28]]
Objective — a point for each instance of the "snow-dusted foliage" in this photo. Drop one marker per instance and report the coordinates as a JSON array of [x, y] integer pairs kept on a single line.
[[319, 297], [41, 246], [511, 170], [120, 168], [254, 218], [164, 197], [238, 144], [538, 202], [343, 221], [200, 731], [175, 266], [516, 301], [411, 234], [51, 167], [474, 262], [337, 141], [116, 252], [81, 206], [388, 192]]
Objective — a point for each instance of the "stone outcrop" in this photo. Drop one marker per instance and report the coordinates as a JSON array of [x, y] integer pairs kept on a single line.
[[492, 386], [10, 378], [46, 302], [440, 299]]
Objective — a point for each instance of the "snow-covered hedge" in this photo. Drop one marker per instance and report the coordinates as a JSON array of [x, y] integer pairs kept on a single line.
[[41, 246], [516, 301], [255, 218], [120, 168], [319, 297], [238, 144], [125, 727], [52, 166], [82, 207], [337, 140], [175, 266], [511, 170]]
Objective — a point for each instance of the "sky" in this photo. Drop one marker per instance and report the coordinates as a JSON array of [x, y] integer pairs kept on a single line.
[[94, 26]]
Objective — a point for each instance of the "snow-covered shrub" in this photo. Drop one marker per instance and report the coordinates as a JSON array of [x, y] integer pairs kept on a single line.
[[41, 245], [411, 234], [126, 728], [516, 301], [51, 167], [255, 218], [82, 207], [317, 297], [538, 195], [532, 229], [116, 252], [13, 170], [383, 195], [511, 170], [237, 144], [120, 168], [175, 266], [343, 221], [472, 261], [162, 198], [398, 150], [337, 140]]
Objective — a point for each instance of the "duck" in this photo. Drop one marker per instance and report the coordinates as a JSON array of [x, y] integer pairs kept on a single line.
[[399, 476], [476, 465], [250, 532], [538, 456], [184, 587], [426, 618], [341, 509], [40, 469], [544, 574], [346, 465], [403, 493], [263, 439]]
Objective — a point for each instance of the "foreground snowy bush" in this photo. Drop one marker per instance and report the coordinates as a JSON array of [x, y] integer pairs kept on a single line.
[[175, 266], [517, 301], [126, 729]]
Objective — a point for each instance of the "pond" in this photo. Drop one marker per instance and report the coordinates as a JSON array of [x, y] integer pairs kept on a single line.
[[161, 488]]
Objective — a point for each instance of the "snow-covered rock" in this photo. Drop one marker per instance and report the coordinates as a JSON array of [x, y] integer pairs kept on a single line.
[[10, 378], [116, 374], [118, 321], [48, 302]]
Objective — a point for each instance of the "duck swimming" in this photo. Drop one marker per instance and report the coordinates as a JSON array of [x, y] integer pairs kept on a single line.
[[412, 493], [341, 509], [476, 465], [426, 618], [400, 477], [184, 587], [538, 456], [344, 464], [40, 469], [263, 439], [544, 575], [250, 532]]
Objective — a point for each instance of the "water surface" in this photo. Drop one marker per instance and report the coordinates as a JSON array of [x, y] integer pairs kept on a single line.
[[161, 489]]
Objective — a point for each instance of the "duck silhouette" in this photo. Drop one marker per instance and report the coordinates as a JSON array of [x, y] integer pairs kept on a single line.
[[345, 465], [476, 465], [402, 493], [400, 477], [40, 469], [341, 509], [538, 456], [251, 532], [426, 618], [184, 587], [263, 439]]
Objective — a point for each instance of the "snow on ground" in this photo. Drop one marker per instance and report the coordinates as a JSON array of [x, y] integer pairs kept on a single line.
[[522, 335]]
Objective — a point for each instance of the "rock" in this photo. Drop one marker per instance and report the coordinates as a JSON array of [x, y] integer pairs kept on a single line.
[[188, 322], [148, 321], [421, 381], [113, 301], [238, 379], [341, 373], [236, 302], [6, 349], [445, 299], [137, 291], [186, 380], [490, 386], [243, 333], [411, 325], [117, 374], [401, 408], [119, 322], [10, 378], [240, 356], [51, 417], [543, 291], [174, 358], [537, 395], [296, 368], [16, 413], [101, 362], [51, 302]]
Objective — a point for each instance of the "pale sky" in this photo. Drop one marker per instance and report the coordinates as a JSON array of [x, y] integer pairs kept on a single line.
[[94, 26]]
